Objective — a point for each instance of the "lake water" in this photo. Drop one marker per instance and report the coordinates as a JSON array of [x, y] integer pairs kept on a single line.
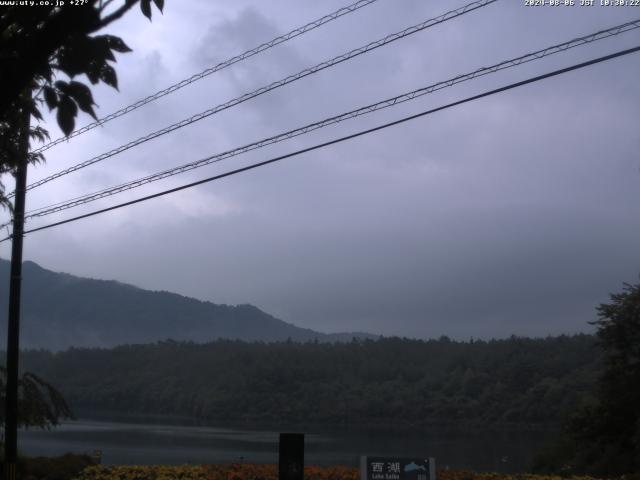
[[164, 443]]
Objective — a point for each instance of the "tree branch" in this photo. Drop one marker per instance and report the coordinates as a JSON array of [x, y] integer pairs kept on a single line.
[[117, 14]]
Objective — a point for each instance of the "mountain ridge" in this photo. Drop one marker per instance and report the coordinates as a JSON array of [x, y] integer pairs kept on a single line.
[[61, 310]]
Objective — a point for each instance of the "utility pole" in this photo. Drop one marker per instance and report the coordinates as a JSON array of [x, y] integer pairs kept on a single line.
[[13, 334]]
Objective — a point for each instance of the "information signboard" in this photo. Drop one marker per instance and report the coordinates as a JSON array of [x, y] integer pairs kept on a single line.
[[396, 468]]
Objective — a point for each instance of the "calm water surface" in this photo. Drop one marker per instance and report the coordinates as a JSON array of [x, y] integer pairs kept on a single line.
[[153, 443]]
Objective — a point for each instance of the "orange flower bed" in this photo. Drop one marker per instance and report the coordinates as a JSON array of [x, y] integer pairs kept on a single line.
[[270, 472], [467, 475]]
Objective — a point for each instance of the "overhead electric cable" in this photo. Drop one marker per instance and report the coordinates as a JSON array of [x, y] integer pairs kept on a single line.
[[220, 66], [338, 140], [539, 54], [260, 91]]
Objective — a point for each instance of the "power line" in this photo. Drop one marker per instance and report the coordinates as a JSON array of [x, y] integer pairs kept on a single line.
[[260, 91], [539, 54], [220, 66], [339, 140], [247, 96]]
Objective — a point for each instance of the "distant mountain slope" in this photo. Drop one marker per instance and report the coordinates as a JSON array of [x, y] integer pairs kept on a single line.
[[60, 310]]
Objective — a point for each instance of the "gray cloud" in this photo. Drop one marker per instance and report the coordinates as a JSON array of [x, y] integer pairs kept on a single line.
[[514, 214]]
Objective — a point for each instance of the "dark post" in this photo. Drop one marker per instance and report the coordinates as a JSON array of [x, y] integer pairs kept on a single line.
[[291, 456], [13, 334]]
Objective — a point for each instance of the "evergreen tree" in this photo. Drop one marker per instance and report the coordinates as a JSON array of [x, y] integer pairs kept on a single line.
[[603, 438], [612, 427]]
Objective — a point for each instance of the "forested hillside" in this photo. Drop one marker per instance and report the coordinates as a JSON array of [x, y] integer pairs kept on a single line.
[[390, 381], [61, 311]]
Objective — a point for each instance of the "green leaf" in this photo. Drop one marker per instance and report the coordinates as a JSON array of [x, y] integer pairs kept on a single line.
[[67, 111], [87, 55], [159, 4], [145, 6], [76, 56], [106, 53], [115, 43], [98, 49], [35, 112], [83, 97], [61, 86], [34, 158], [50, 97], [93, 73], [108, 76], [39, 133]]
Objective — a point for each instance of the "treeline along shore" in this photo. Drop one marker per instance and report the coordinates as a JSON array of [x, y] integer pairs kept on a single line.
[[388, 381]]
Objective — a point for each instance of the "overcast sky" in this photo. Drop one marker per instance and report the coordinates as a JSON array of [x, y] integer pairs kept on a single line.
[[514, 214]]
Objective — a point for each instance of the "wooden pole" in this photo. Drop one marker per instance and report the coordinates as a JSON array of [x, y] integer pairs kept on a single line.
[[13, 334]]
